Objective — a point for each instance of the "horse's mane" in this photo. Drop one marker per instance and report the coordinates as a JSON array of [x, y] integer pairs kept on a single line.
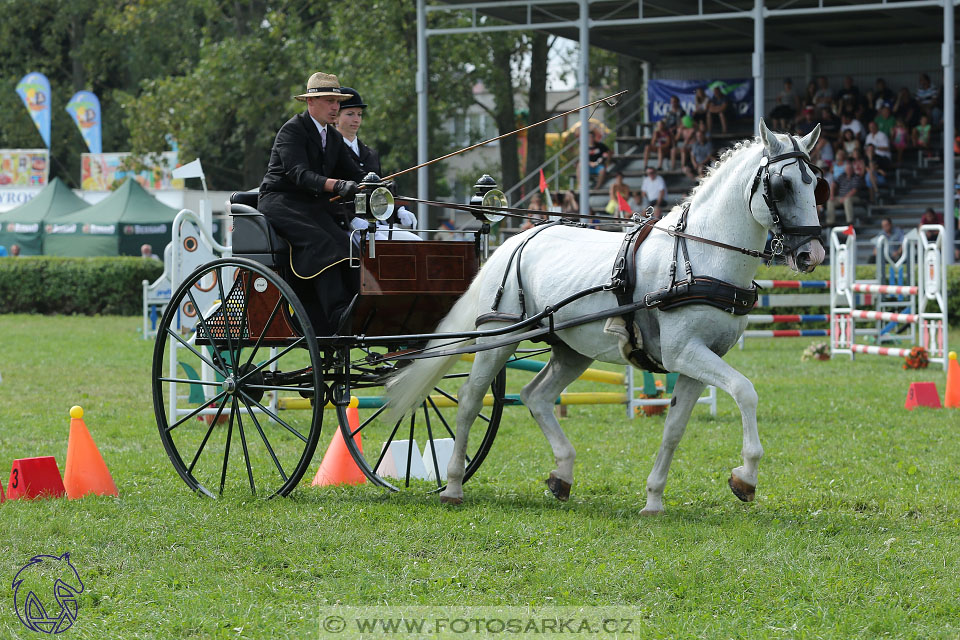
[[718, 167]]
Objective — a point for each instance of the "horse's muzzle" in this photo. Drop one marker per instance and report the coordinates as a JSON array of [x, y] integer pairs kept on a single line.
[[807, 257]]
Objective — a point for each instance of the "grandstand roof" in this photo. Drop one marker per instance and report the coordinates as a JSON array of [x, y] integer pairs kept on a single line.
[[670, 28]]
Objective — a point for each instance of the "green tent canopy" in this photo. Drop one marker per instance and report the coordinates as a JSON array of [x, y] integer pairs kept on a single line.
[[24, 225], [117, 225]]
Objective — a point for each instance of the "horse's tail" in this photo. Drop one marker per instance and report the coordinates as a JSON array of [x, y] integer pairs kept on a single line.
[[408, 387]]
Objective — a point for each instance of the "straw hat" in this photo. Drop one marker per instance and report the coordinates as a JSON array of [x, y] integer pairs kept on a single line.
[[322, 85]]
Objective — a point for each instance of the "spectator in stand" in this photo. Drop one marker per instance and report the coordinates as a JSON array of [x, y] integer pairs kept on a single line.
[[850, 122], [880, 141], [15, 251], [921, 133], [838, 164], [788, 105], [806, 123], [681, 144], [850, 142], [930, 217], [899, 139], [865, 111], [599, 155], [874, 172], [927, 97], [701, 103], [654, 191], [883, 96], [829, 126], [823, 98], [885, 120], [569, 203], [906, 108], [719, 106], [846, 191], [674, 115], [662, 141], [146, 252], [822, 155], [849, 91], [536, 204], [618, 186], [894, 238], [809, 98], [700, 152]]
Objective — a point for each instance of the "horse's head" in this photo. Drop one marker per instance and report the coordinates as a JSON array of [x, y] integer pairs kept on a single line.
[[784, 195]]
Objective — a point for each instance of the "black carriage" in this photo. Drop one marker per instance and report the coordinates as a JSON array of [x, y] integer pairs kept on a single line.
[[238, 368]]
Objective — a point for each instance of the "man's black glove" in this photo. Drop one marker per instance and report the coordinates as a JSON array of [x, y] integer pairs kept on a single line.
[[346, 189]]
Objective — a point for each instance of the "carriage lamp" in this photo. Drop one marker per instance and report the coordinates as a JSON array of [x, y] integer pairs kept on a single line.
[[488, 195], [374, 198]]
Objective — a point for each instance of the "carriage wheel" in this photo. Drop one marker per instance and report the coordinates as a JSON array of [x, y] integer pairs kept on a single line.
[[219, 376], [382, 452]]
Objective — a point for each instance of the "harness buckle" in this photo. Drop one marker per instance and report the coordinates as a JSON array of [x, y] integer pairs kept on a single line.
[[776, 246]]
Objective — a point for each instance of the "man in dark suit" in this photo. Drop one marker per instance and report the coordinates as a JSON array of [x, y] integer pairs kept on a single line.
[[309, 164]]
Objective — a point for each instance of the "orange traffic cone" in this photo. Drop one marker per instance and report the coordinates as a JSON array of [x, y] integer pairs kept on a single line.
[[85, 471], [951, 396], [338, 466]]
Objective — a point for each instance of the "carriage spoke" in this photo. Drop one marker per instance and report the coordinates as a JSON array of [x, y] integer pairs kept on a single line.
[[263, 436], [386, 446], [205, 405], [256, 345], [271, 360], [246, 452], [213, 342], [446, 426], [433, 445], [272, 415], [368, 420], [413, 419], [221, 371], [206, 437], [206, 383], [225, 314], [226, 450]]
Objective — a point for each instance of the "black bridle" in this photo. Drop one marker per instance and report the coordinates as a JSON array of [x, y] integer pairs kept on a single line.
[[775, 188]]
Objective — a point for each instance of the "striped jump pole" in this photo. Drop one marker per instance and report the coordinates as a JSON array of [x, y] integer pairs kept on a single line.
[[766, 300]]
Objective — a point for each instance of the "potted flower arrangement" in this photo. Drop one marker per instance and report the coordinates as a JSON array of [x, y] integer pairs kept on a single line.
[[816, 351], [918, 358]]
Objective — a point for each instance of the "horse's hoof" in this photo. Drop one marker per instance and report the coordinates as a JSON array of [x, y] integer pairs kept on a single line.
[[648, 513], [745, 492], [451, 500], [559, 488]]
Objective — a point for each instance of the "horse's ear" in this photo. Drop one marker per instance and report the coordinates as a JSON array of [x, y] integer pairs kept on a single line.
[[810, 140], [769, 138]]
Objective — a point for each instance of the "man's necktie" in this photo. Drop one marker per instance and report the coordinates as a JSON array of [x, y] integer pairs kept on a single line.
[[323, 138]]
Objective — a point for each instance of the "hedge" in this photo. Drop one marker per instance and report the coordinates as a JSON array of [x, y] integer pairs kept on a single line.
[[864, 272], [90, 286]]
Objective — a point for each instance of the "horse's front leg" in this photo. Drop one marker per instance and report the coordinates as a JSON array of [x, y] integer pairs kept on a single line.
[[685, 395], [700, 362], [469, 403]]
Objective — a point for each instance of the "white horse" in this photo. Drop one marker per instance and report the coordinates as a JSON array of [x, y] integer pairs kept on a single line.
[[728, 207]]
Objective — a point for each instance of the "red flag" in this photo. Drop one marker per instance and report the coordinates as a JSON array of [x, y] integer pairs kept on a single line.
[[543, 182], [624, 206], [848, 231]]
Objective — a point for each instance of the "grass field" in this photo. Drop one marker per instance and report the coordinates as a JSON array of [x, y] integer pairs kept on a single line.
[[855, 532]]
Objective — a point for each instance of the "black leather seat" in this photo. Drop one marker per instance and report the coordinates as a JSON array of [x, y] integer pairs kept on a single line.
[[253, 236]]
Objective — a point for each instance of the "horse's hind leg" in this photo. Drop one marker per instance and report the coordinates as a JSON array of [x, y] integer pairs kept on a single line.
[[539, 395], [486, 365], [686, 391]]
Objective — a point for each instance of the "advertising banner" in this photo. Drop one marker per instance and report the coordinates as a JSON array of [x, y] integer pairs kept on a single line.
[[659, 92], [24, 167], [84, 108], [34, 90], [103, 171]]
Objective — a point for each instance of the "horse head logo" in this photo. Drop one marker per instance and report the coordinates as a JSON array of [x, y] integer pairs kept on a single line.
[[45, 593]]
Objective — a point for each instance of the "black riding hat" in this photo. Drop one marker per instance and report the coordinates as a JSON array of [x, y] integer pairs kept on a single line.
[[353, 101]]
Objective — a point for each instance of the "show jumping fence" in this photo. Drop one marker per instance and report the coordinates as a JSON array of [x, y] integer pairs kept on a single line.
[[914, 301]]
